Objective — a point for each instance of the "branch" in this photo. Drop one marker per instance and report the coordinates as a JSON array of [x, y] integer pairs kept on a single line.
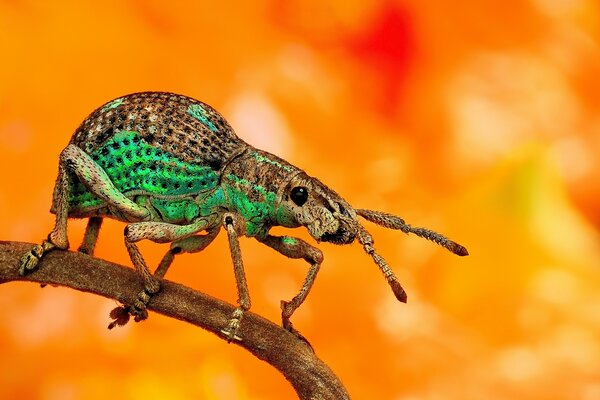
[[310, 377]]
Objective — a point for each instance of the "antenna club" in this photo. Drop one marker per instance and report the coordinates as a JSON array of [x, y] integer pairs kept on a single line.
[[460, 250], [398, 290]]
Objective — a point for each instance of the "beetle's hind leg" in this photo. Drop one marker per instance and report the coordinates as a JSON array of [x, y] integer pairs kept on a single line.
[[57, 239], [74, 160]]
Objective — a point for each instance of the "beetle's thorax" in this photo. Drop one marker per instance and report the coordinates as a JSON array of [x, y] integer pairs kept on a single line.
[[253, 185], [263, 189]]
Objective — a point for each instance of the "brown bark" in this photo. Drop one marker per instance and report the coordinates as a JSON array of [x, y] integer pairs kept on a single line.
[[310, 377]]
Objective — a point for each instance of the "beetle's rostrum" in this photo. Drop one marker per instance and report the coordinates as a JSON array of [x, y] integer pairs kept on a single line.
[[173, 169]]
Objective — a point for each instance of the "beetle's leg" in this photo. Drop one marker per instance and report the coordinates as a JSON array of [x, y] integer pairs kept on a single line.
[[58, 237], [296, 248], [159, 232], [90, 238], [75, 160], [231, 226], [97, 182], [192, 244]]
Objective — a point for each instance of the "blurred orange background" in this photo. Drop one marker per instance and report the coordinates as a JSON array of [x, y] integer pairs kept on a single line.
[[478, 119]]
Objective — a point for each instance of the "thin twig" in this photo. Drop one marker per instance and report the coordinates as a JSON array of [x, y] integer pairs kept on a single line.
[[310, 377]]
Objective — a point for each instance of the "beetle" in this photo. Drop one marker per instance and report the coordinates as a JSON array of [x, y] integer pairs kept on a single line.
[[174, 171]]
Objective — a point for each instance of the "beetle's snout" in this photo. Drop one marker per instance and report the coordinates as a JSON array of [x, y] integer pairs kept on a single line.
[[341, 236], [345, 232]]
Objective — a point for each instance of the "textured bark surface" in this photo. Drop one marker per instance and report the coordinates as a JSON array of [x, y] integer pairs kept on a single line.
[[310, 377]]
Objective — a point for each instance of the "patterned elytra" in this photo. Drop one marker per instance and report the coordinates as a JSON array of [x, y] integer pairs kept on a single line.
[[135, 166], [155, 143], [173, 123]]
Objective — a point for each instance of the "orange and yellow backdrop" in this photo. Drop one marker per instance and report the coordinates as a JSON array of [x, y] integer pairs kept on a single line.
[[477, 118]]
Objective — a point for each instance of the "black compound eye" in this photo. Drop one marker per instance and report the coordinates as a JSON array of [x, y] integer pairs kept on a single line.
[[299, 195]]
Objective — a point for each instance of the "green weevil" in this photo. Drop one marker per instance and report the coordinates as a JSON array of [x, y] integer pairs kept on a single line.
[[171, 168]]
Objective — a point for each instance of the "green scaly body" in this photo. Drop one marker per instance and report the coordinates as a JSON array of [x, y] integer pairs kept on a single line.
[[179, 159]]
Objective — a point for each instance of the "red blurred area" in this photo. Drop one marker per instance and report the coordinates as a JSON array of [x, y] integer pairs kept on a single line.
[[387, 48], [478, 120]]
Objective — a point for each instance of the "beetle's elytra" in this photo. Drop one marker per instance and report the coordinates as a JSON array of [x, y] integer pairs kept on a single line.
[[172, 168]]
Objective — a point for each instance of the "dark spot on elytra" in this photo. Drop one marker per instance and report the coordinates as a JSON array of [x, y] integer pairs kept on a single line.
[[104, 135], [214, 164]]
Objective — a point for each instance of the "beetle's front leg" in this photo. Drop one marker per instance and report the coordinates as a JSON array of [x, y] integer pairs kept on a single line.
[[233, 225], [296, 248], [159, 232]]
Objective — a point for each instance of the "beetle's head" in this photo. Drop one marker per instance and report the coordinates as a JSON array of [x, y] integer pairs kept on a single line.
[[328, 217]]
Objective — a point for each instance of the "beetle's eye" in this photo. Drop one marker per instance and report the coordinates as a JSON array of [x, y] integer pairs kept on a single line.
[[299, 194]]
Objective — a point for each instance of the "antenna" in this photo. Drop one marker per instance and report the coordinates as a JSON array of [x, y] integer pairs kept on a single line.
[[366, 240], [393, 222]]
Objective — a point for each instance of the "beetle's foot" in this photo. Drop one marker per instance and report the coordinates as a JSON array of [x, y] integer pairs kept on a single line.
[[230, 331], [31, 259], [288, 326], [121, 315], [84, 249]]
